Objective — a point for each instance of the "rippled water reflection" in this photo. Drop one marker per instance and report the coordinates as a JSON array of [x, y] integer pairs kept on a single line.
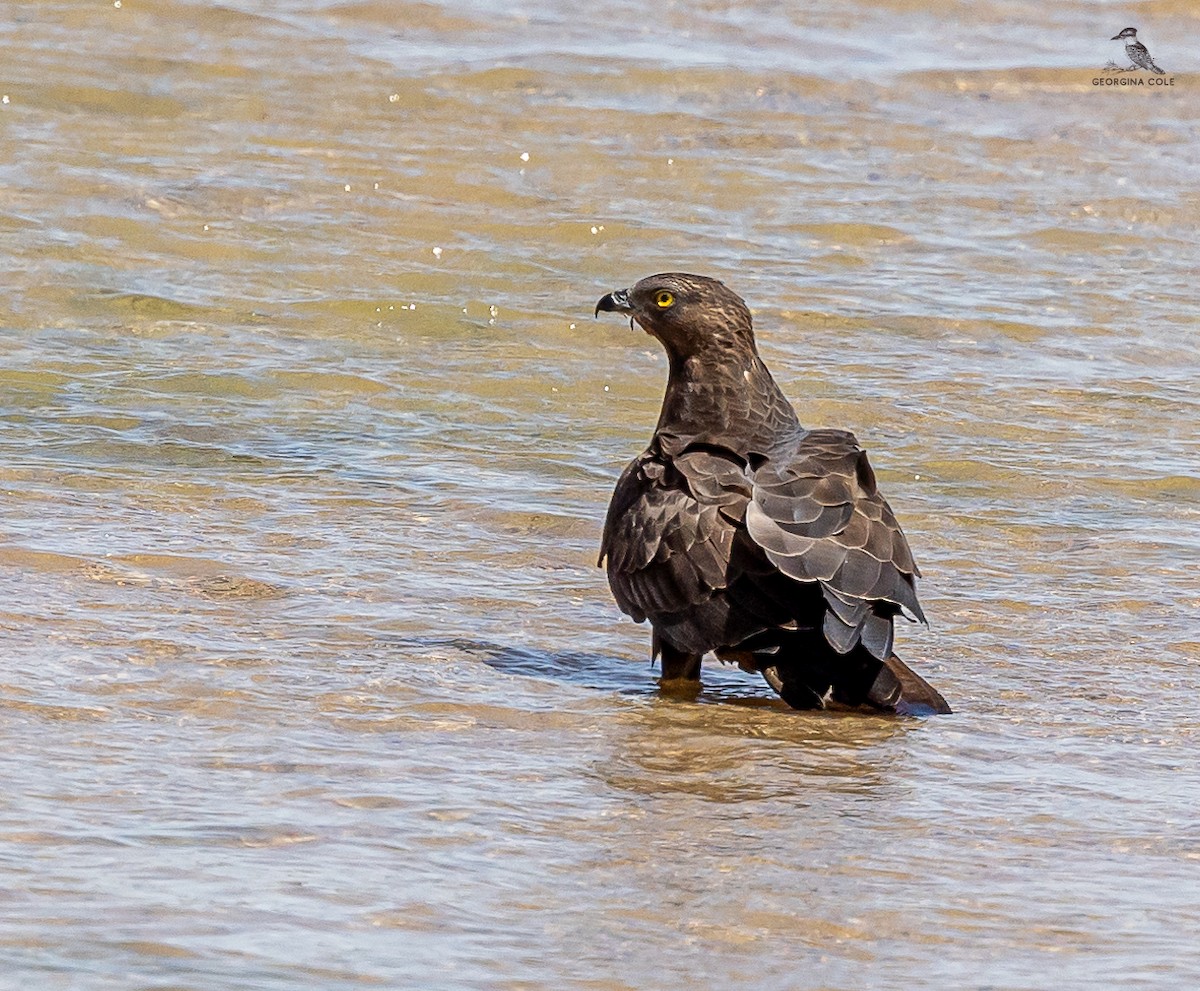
[[310, 679]]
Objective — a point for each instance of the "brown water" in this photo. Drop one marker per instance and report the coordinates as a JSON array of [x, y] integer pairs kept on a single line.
[[306, 435]]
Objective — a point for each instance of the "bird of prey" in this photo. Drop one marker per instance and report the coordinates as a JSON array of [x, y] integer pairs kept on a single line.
[[741, 533], [1138, 54]]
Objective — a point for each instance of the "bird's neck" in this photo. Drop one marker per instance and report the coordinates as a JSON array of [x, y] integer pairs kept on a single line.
[[726, 400]]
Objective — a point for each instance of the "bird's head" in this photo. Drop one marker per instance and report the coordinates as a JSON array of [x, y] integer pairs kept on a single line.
[[1127, 33], [689, 314]]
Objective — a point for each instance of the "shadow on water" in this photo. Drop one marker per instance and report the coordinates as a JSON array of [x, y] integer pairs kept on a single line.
[[721, 684], [602, 672]]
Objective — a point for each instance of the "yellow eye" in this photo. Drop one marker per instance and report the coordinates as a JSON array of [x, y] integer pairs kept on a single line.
[[665, 299]]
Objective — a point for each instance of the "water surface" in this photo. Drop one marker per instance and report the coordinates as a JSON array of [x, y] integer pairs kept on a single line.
[[306, 435]]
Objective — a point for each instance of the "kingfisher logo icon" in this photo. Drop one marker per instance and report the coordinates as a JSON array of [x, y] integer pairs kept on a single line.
[[1138, 53], [1139, 60]]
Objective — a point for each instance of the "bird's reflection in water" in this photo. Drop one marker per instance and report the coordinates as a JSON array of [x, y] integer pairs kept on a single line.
[[756, 754], [733, 742]]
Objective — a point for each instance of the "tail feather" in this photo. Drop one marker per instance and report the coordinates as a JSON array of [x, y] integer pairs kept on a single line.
[[808, 678], [915, 691]]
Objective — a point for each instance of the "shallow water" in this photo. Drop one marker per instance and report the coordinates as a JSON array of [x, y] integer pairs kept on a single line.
[[306, 435]]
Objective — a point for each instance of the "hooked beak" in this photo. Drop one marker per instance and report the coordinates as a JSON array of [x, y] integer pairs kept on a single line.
[[613, 302]]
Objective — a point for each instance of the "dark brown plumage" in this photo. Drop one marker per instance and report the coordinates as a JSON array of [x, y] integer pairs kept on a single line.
[[739, 532]]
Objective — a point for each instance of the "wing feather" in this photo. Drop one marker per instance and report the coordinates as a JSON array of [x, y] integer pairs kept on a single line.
[[817, 514], [669, 537]]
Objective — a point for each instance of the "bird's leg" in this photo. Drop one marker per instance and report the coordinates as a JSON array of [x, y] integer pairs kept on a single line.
[[680, 670]]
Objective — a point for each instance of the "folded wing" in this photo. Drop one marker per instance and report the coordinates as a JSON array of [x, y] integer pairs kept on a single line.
[[817, 514], [668, 541]]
